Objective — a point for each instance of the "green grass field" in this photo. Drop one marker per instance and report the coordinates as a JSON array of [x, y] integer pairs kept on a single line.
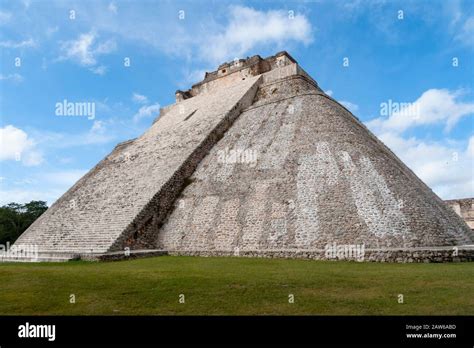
[[235, 286]]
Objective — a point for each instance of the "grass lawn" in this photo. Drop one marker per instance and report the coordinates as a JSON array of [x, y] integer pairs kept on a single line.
[[235, 286]]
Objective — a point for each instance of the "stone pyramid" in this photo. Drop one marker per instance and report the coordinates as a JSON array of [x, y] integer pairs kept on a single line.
[[255, 160]]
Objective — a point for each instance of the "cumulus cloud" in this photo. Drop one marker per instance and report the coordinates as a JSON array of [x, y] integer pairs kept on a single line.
[[240, 32], [248, 28], [446, 168], [18, 146], [435, 106], [446, 165], [85, 50], [147, 111]]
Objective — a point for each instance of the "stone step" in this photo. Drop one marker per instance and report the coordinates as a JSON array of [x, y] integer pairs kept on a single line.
[[124, 199], [38, 259], [64, 256]]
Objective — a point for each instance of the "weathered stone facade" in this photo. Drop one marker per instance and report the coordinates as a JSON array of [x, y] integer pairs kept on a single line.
[[464, 208], [256, 160]]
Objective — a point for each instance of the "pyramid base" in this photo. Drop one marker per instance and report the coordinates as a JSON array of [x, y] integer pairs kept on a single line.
[[463, 253]]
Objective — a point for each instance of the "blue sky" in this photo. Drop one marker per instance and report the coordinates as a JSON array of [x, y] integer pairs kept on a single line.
[[419, 52]]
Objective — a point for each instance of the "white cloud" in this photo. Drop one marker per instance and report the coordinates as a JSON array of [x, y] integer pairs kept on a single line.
[[99, 70], [351, 106], [147, 111], [80, 50], [20, 44], [32, 158], [18, 146], [466, 34], [101, 132], [140, 99], [12, 77], [84, 51], [446, 168], [48, 186], [64, 178], [97, 134], [98, 127], [470, 148], [435, 106], [14, 141], [19, 195], [105, 47], [240, 32], [192, 76], [248, 28]]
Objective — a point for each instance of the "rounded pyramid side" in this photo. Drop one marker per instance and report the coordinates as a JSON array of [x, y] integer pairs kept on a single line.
[[297, 171]]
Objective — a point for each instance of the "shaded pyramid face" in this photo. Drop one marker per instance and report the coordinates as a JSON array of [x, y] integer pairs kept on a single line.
[[254, 160]]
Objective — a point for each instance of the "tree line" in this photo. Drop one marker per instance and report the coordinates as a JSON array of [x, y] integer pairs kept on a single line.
[[16, 218]]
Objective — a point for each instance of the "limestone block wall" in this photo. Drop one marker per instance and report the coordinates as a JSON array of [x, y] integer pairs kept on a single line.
[[464, 208], [296, 172], [128, 193]]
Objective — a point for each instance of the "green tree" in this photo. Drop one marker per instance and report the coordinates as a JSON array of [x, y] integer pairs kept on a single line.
[[16, 218]]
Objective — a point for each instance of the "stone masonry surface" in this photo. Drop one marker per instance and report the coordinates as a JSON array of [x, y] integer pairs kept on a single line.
[[256, 160], [109, 208], [320, 178], [464, 208]]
